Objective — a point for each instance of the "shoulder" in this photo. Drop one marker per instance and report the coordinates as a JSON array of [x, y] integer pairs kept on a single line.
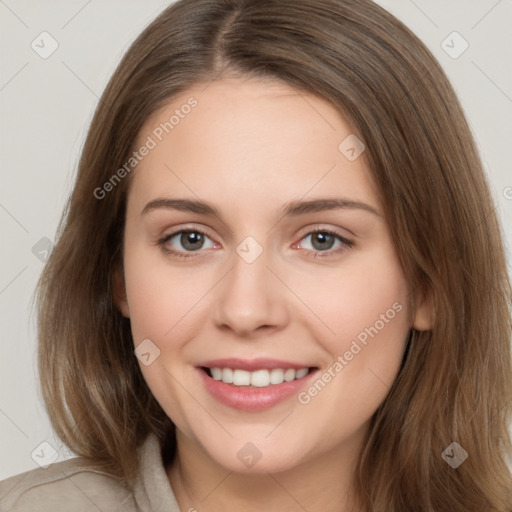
[[74, 485]]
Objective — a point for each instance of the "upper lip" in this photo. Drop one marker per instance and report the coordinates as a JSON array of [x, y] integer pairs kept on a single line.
[[252, 364]]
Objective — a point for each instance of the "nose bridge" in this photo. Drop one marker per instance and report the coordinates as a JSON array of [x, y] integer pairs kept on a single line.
[[249, 298]]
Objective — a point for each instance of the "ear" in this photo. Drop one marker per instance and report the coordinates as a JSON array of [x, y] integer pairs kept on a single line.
[[423, 314], [119, 290]]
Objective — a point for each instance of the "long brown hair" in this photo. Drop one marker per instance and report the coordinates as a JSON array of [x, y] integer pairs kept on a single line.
[[455, 383]]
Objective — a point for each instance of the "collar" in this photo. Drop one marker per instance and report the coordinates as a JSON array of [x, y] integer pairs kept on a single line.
[[152, 490]]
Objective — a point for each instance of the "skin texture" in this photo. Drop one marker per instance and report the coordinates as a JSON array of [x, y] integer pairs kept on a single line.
[[249, 147]]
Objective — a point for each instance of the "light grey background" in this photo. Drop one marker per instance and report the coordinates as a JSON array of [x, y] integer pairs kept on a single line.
[[47, 104]]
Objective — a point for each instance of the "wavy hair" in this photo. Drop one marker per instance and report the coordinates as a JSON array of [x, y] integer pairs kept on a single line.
[[455, 384]]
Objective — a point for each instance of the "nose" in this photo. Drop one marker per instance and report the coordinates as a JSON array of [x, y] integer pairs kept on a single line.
[[251, 299]]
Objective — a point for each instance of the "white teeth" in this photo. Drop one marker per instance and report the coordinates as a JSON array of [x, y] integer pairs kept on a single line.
[[289, 375], [217, 373], [276, 376], [301, 373], [241, 378], [258, 378], [227, 375]]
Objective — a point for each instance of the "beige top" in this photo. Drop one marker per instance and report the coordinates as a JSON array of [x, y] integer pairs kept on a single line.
[[74, 486]]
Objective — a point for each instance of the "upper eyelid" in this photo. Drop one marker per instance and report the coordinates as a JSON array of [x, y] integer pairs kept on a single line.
[[173, 233]]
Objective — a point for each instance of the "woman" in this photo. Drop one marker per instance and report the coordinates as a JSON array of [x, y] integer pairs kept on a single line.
[[280, 282]]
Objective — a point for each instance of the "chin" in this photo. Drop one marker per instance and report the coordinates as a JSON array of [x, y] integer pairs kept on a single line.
[[258, 457]]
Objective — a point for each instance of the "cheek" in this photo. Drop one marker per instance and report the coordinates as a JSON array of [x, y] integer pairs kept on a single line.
[[161, 298], [163, 306], [366, 291], [364, 324]]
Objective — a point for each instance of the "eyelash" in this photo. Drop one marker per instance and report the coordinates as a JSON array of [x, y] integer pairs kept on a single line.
[[347, 244]]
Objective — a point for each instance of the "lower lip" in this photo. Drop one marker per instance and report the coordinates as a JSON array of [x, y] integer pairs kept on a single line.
[[252, 399]]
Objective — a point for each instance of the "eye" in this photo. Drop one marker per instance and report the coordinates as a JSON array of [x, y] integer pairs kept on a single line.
[[186, 242], [190, 240], [324, 241]]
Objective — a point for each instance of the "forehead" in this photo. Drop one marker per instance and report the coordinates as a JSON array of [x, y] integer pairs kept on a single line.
[[247, 141]]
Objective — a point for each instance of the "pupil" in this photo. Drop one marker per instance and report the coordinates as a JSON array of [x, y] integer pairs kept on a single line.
[[189, 238], [325, 241]]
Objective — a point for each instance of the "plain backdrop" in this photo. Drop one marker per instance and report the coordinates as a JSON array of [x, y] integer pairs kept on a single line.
[[47, 103]]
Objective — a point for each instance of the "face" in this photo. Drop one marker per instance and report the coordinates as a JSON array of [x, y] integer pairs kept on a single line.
[[267, 304]]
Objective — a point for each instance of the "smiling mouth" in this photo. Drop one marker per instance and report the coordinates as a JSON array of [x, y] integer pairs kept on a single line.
[[258, 378]]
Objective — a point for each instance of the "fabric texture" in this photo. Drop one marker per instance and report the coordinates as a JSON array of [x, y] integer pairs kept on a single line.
[[75, 485]]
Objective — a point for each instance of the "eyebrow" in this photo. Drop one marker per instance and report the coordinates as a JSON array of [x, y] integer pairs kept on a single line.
[[290, 209]]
